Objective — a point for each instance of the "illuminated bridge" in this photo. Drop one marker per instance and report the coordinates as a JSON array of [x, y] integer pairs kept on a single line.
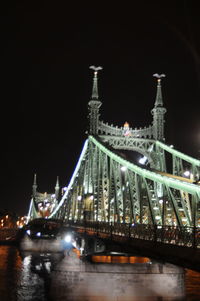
[[153, 198]]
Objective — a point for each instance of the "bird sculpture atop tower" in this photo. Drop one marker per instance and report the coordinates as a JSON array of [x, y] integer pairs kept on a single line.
[[159, 76]]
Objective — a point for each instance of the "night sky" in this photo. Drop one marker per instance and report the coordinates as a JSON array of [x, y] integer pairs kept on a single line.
[[46, 50]]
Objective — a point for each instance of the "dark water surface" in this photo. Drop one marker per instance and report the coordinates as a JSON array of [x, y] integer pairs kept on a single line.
[[44, 277]]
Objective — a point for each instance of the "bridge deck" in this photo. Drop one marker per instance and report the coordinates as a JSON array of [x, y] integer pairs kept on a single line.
[[187, 257]]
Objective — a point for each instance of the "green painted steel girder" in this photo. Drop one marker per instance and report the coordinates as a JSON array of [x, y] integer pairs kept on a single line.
[[178, 154], [166, 180]]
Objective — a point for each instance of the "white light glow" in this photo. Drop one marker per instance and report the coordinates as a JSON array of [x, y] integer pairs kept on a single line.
[[187, 173], [68, 238], [143, 160]]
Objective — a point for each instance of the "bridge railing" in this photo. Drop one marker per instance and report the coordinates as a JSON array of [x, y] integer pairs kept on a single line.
[[182, 236]]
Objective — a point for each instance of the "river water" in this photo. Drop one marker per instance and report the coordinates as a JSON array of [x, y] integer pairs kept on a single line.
[[49, 277]]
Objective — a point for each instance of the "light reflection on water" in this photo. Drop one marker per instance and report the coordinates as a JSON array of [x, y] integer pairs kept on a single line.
[[47, 278]]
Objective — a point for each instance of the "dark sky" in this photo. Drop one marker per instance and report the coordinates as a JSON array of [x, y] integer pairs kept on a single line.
[[46, 49]]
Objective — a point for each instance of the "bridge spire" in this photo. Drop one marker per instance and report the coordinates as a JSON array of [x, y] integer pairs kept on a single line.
[[34, 186], [57, 188], [95, 94], [159, 101], [158, 111], [94, 103]]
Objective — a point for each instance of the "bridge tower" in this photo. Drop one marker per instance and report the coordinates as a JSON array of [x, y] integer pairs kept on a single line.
[[42, 204], [140, 140]]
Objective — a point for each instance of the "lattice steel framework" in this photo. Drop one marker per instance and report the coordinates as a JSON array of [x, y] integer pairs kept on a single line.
[[107, 188]]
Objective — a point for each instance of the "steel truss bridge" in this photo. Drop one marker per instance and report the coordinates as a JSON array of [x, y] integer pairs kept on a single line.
[[157, 198]]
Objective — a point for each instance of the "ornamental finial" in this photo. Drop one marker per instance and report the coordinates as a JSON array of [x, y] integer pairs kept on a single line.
[[159, 76], [96, 69]]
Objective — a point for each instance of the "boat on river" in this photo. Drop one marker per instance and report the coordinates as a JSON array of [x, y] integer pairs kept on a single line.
[[44, 235]]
